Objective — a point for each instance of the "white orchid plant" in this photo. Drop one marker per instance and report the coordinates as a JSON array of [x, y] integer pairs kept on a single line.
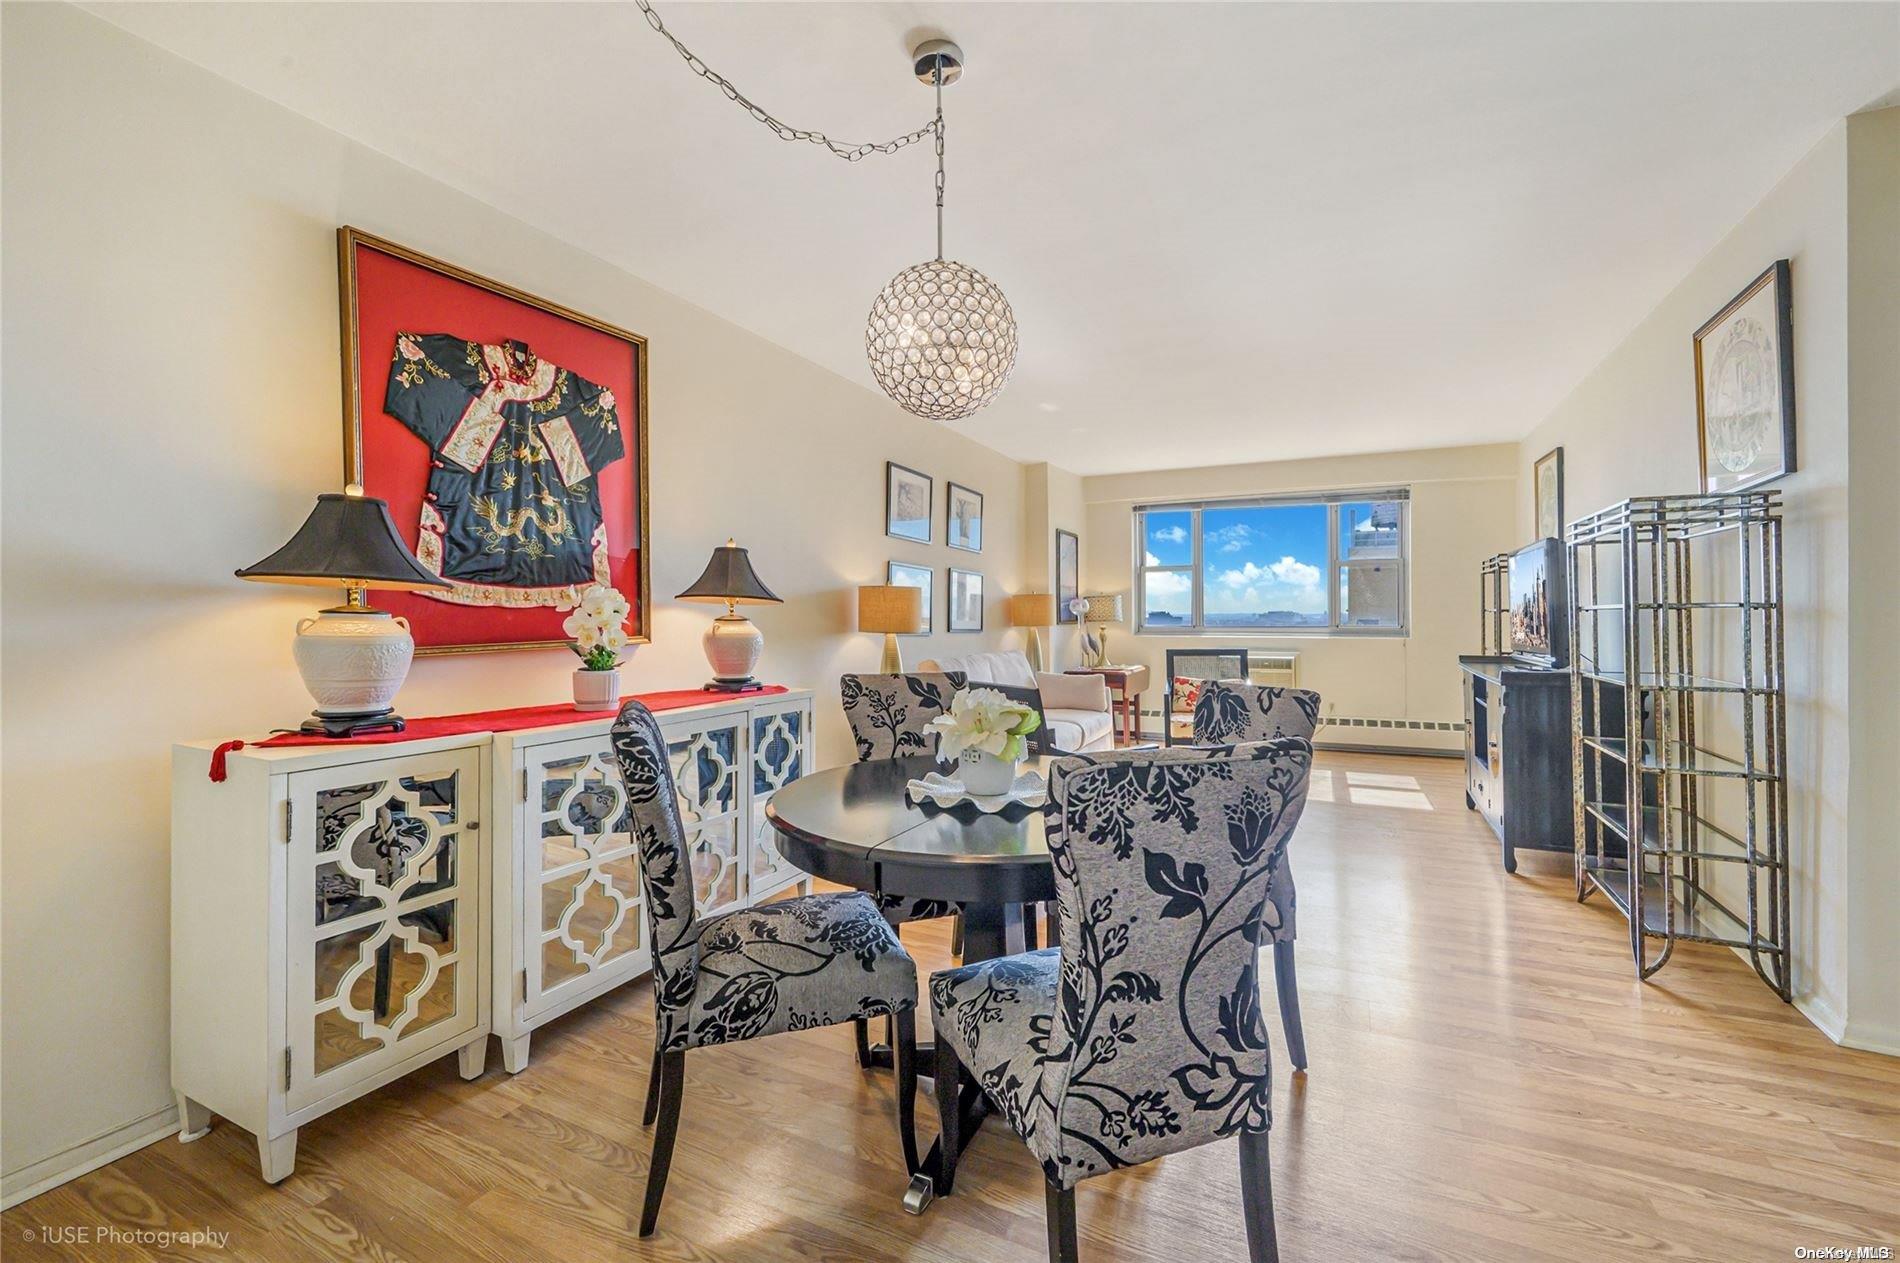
[[986, 720], [598, 627]]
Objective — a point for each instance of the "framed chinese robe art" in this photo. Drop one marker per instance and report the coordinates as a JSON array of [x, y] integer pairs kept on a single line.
[[509, 436]]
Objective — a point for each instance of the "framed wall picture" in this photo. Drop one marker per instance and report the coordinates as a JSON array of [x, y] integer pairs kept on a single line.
[[963, 518], [1068, 574], [902, 574], [907, 501], [509, 436], [966, 601], [1744, 386], [1547, 483]]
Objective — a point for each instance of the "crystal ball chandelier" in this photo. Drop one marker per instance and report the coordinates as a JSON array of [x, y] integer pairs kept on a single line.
[[941, 337]]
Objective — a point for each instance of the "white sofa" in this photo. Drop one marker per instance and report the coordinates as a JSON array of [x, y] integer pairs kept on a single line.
[[1075, 707]]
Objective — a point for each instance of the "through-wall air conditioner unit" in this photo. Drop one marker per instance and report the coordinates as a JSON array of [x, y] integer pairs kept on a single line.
[[1274, 667]]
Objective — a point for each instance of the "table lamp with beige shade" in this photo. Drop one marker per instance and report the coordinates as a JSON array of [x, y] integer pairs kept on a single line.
[[1103, 608], [1035, 611], [895, 611]]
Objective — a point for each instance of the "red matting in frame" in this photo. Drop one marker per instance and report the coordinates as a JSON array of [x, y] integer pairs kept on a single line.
[[386, 289]]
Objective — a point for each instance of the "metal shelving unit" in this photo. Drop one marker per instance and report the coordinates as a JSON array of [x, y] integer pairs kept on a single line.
[[1494, 600], [1679, 641]]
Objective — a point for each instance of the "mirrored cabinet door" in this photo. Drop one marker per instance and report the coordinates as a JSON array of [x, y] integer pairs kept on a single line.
[[383, 917], [584, 921], [780, 754], [708, 758]]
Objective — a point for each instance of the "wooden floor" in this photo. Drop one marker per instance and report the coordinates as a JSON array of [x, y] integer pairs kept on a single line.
[[1487, 1082]]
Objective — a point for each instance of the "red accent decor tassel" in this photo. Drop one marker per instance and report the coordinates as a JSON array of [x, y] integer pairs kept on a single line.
[[217, 758]]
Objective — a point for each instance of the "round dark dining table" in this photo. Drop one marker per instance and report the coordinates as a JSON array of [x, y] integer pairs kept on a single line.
[[856, 826]]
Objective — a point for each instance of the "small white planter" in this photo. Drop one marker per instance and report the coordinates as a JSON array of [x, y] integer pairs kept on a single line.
[[985, 774], [596, 690]]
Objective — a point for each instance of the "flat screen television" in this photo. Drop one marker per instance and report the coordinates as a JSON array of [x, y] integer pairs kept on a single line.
[[1540, 604]]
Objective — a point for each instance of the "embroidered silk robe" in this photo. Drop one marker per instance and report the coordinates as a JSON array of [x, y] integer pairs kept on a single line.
[[512, 515]]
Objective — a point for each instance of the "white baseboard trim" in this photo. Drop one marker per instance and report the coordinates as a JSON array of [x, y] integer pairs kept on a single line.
[[1819, 1012], [89, 1155], [1871, 1038]]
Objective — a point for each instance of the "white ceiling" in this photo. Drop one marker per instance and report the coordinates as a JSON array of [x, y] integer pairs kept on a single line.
[[1230, 232]]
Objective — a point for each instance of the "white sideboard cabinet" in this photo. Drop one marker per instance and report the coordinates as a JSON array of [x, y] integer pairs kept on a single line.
[[344, 914]]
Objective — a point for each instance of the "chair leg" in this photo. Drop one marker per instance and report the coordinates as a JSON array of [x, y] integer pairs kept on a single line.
[[1030, 942], [672, 1088], [949, 1082], [863, 1032], [905, 1046], [956, 936], [653, 1089], [1289, 1002], [1060, 1211], [1256, 1198]]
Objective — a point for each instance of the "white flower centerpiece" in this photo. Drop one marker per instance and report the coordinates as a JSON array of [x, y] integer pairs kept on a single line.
[[988, 734], [598, 626]]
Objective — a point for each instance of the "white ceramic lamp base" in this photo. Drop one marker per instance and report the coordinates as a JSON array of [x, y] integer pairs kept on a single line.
[[733, 646], [353, 660]]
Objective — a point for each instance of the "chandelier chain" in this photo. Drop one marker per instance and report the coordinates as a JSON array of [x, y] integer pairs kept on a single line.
[[939, 126], [784, 131]]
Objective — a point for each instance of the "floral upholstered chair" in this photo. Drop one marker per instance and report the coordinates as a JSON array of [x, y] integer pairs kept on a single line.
[[1141, 1034], [1227, 712], [818, 960], [890, 719]]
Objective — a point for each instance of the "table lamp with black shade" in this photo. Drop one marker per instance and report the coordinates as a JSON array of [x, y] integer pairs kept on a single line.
[[352, 657], [732, 643]]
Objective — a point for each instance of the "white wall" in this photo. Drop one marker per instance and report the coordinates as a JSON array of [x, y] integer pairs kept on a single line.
[[171, 410], [1462, 512], [1629, 429], [1052, 501]]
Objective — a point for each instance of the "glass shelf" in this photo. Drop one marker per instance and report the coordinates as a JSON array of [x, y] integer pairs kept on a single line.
[[1702, 762], [1699, 919], [1658, 681], [1712, 841]]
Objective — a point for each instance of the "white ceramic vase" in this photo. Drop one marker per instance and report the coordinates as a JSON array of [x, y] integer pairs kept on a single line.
[[984, 774], [596, 690], [352, 660]]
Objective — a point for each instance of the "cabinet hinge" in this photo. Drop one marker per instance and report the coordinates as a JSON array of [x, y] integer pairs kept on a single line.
[[524, 986], [286, 1069], [524, 784], [289, 806]]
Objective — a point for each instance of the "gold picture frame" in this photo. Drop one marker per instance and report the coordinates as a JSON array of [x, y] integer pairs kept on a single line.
[[350, 243]]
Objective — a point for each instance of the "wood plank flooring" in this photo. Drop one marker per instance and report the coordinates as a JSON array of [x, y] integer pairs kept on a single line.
[[1488, 1082]]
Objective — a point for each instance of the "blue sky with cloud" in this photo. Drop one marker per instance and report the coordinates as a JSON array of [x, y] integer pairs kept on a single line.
[[1254, 560]]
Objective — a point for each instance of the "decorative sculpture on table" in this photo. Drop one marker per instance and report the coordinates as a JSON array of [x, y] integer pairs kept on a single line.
[[508, 435]]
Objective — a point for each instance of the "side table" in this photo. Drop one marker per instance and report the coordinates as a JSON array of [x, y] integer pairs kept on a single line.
[[1126, 685]]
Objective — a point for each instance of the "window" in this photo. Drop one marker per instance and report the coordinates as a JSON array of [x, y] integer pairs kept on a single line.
[[1315, 564]]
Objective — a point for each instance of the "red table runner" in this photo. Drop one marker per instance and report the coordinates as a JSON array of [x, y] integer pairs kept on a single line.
[[491, 721]]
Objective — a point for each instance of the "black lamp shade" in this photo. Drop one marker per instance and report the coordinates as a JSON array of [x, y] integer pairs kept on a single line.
[[729, 577], [346, 539]]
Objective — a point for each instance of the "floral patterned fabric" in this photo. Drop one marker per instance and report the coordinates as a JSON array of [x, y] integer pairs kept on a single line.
[[890, 717], [792, 965], [1227, 711], [1141, 1033], [890, 714], [1230, 711]]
